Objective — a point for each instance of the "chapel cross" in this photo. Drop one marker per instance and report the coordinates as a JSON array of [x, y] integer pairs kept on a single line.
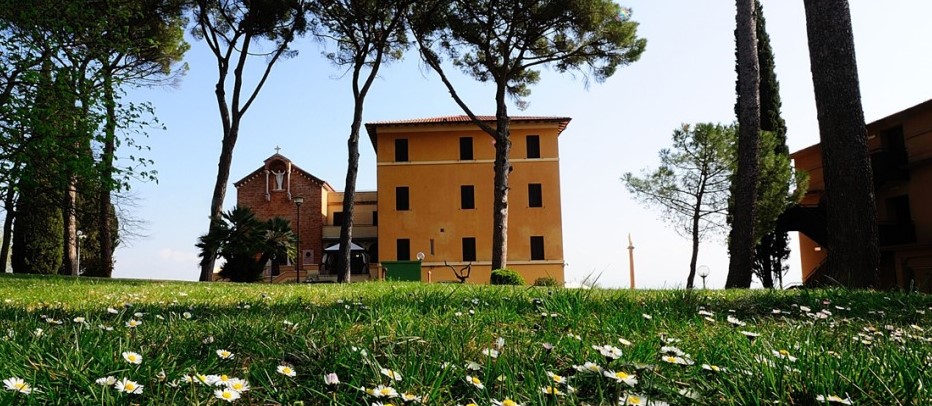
[[277, 149]]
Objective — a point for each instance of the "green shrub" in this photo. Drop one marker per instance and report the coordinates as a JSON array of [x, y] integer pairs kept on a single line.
[[546, 281], [506, 277]]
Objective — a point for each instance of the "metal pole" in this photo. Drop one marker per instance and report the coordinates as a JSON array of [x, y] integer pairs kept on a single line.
[[631, 260], [297, 275]]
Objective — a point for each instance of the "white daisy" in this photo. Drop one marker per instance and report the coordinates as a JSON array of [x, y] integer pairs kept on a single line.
[[17, 385], [226, 394], [128, 386]]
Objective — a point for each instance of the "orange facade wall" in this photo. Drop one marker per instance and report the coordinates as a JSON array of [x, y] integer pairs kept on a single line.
[[436, 223]]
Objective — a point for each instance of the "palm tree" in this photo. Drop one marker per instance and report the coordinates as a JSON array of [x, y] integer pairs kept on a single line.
[[279, 242], [246, 243]]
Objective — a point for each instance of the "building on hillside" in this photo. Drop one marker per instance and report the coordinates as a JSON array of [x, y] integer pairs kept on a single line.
[[901, 159], [432, 211], [434, 184]]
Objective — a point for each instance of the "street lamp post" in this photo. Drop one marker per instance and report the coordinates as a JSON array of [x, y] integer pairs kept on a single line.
[[298, 201], [703, 273]]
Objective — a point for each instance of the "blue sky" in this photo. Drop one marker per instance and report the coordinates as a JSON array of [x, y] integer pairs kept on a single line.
[[685, 76]]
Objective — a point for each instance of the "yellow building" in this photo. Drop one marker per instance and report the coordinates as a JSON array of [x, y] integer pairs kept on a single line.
[[434, 185], [901, 159]]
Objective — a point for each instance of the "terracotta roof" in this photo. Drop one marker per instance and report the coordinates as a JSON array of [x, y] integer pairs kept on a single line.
[[372, 127]]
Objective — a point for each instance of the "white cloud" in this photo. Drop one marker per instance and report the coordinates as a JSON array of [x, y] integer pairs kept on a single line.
[[182, 257]]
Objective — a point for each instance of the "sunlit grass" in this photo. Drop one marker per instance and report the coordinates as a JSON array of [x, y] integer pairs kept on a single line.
[[526, 345]]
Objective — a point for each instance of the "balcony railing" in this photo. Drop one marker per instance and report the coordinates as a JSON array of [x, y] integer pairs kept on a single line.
[[359, 231]]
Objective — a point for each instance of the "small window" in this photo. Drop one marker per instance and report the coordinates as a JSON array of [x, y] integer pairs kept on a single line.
[[466, 149], [533, 146], [401, 150], [401, 198], [467, 197], [534, 198], [537, 247], [403, 249], [469, 249], [375, 218], [338, 218]]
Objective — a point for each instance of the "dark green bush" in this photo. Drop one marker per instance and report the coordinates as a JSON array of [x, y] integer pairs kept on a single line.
[[506, 277], [547, 281]]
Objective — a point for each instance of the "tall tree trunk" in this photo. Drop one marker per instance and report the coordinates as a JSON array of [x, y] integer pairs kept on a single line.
[[105, 233], [9, 203], [344, 262], [223, 171], [695, 254], [500, 192], [741, 243], [69, 214], [853, 253]]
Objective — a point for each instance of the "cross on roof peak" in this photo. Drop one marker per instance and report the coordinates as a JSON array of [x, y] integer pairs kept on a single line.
[[277, 149]]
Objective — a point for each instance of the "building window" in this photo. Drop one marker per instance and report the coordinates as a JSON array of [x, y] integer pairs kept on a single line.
[[375, 218], [537, 247], [401, 198], [338, 218], [403, 249], [469, 249], [466, 149], [467, 197], [401, 150], [533, 146], [534, 198]]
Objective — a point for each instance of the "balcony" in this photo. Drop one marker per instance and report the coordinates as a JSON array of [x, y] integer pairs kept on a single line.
[[891, 233], [889, 166], [359, 231]]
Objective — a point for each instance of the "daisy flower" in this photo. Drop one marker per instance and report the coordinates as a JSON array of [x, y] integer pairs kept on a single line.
[[621, 377], [208, 380], [331, 379], [285, 370], [647, 316], [556, 378], [128, 386], [713, 368], [391, 374], [784, 354], [499, 343], [238, 385], [17, 385], [506, 402], [589, 367], [608, 351], [227, 394], [638, 400], [676, 360], [624, 342], [474, 381], [132, 357], [221, 379], [224, 354], [473, 366], [132, 323], [833, 399], [734, 320], [490, 352], [112, 310], [381, 391], [106, 381], [410, 397], [552, 391]]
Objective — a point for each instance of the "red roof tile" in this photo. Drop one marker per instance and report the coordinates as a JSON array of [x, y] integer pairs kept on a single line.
[[372, 127]]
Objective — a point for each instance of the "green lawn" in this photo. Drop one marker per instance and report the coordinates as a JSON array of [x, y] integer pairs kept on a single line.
[[871, 348]]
